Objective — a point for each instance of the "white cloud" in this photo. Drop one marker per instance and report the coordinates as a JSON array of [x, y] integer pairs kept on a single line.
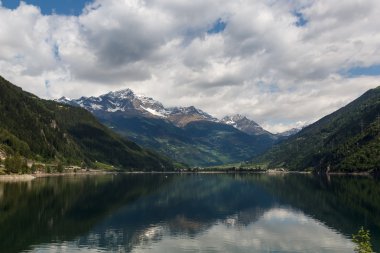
[[262, 65]]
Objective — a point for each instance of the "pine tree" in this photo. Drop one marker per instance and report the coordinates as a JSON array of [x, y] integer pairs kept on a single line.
[[363, 241]]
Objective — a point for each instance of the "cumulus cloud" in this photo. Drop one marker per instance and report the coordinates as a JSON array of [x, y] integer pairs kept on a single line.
[[265, 63]]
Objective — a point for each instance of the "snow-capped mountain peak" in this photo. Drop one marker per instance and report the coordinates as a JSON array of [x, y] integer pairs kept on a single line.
[[120, 94], [236, 120], [236, 117], [128, 102], [64, 100]]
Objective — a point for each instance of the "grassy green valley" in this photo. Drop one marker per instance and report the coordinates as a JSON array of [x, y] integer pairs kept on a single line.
[[47, 131]]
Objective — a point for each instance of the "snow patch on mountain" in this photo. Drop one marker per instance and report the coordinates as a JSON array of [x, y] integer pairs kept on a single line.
[[154, 112], [115, 109], [96, 107]]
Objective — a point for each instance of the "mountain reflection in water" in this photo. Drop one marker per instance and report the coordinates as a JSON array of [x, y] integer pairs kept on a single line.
[[188, 213]]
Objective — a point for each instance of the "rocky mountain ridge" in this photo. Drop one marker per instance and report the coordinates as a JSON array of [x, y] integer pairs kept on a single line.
[[128, 102], [246, 125]]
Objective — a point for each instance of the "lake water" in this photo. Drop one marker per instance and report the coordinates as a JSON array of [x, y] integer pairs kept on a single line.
[[188, 213]]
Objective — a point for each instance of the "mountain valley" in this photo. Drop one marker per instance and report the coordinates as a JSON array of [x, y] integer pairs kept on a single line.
[[186, 134]]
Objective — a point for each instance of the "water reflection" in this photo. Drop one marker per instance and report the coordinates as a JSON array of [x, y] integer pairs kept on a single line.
[[187, 213], [278, 230]]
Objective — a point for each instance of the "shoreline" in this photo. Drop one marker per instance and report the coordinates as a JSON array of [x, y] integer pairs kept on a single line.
[[79, 173], [16, 178], [30, 177], [348, 174]]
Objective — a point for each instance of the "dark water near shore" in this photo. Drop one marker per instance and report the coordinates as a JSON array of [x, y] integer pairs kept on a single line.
[[188, 213]]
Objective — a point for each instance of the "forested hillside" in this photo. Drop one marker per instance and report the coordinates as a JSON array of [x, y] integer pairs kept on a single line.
[[347, 140], [49, 131]]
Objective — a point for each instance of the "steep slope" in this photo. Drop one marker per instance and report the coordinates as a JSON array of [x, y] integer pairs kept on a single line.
[[47, 130], [347, 140]]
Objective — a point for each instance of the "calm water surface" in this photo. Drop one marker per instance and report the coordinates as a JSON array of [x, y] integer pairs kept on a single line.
[[188, 213]]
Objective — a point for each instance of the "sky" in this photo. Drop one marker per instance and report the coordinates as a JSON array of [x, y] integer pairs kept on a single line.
[[282, 63]]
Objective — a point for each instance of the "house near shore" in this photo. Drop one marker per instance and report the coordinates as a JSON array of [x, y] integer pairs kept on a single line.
[[72, 167]]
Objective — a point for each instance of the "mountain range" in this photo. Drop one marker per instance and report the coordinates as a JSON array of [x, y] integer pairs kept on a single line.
[[128, 102], [186, 134], [47, 131], [348, 140]]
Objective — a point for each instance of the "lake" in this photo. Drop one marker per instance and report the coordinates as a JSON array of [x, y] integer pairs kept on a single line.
[[188, 213]]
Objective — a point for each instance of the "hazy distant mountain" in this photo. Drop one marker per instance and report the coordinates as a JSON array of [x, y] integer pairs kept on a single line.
[[346, 140], [186, 134], [290, 132], [49, 131]]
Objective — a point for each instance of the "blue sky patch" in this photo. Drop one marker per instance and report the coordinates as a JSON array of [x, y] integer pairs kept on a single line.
[[217, 27], [48, 7], [301, 20], [56, 52], [373, 70]]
